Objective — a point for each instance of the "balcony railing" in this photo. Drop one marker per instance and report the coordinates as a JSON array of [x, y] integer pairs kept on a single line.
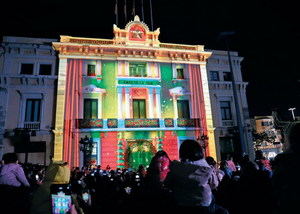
[[227, 123], [114, 123], [141, 123], [32, 125], [90, 123]]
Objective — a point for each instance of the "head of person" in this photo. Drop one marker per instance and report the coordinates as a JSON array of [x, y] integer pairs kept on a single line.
[[10, 158], [223, 165], [229, 157], [160, 158], [190, 150], [294, 137], [156, 158], [259, 155], [211, 161]]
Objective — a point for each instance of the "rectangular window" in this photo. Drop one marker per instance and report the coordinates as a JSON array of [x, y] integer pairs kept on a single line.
[[91, 70], [183, 109], [225, 110], [139, 108], [45, 69], [214, 76], [266, 123], [137, 69], [180, 73], [33, 110], [90, 109], [227, 76], [27, 68]]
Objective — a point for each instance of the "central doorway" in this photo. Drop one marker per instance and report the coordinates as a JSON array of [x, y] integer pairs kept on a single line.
[[139, 152]]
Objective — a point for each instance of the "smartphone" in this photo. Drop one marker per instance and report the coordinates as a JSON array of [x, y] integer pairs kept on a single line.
[[85, 197], [61, 201]]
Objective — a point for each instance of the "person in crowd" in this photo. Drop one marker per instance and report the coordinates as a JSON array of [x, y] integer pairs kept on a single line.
[[213, 164], [152, 188], [14, 186], [230, 163], [286, 175], [191, 180], [263, 163], [159, 166], [57, 173], [12, 174], [227, 171]]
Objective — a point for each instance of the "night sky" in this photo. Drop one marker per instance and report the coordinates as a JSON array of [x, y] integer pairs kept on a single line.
[[267, 35]]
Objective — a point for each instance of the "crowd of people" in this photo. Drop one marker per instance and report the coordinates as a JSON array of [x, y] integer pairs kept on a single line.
[[235, 185]]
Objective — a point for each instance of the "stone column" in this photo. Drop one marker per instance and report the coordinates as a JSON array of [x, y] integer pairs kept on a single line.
[[120, 112], [158, 106], [150, 103], [127, 103], [60, 110], [175, 106]]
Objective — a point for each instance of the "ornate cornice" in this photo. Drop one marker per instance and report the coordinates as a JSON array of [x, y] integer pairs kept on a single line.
[[135, 41]]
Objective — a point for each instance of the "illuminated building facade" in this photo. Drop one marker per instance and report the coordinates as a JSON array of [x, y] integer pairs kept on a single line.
[[133, 95]]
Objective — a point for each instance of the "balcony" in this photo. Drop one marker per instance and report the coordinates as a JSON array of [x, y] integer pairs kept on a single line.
[[32, 125], [227, 123], [143, 123]]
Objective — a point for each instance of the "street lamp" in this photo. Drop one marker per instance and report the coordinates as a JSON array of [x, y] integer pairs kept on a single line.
[[86, 146], [292, 110]]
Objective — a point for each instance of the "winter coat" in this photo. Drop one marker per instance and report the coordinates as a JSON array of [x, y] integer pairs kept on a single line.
[[12, 174], [192, 183]]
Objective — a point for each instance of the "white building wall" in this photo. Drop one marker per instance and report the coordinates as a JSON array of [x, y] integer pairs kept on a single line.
[[18, 87], [221, 90]]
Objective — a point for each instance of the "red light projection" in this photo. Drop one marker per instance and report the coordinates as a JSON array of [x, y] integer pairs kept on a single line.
[[137, 33]]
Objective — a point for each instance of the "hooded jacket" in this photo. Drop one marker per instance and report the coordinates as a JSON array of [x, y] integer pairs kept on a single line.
[[191, 182], [12, 174]]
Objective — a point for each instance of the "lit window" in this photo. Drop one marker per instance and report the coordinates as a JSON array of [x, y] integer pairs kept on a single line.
[[214, 76], [33, 110], [91, 70], [27, 68], [90, 108], [139, 108], [183, 109], [225, 110], [137, 69], [45, 69], [180, 73]]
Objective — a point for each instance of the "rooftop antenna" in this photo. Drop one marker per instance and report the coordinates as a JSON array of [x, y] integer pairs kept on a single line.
[[143, 10], [116, 12], [133, 8], [125, 10], [151, 16]]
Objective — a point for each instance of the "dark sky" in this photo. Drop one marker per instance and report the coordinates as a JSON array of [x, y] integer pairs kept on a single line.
[[267, 35]]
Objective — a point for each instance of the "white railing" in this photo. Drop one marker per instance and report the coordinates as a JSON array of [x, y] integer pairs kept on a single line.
[[32, 125]]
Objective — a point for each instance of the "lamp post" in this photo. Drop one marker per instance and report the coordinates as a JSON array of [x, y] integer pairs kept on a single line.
[[236, 102], [86, 146], [292, 110]]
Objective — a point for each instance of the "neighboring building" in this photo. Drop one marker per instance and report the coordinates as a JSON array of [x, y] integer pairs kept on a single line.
[[131, 95], [265, 124], [223, 106], [27, 89]]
